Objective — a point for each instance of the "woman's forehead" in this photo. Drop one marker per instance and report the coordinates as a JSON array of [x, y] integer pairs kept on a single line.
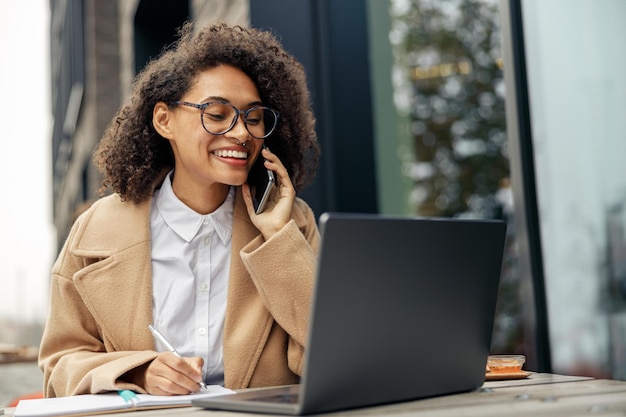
[[224, 81]]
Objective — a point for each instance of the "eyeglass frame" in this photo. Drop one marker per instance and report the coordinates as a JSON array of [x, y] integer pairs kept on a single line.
[[244, 113]]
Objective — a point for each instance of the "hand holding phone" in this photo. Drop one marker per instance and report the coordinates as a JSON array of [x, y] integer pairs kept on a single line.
[[261, 181]]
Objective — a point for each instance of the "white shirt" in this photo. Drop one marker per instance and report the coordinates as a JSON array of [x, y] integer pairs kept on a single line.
[[190, 270]]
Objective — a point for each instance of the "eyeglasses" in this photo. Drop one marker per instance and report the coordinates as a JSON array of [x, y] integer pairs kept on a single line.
[[219, 117]]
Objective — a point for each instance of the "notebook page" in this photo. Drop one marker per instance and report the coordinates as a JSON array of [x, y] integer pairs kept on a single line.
[[146, 400], [107, 402], [77, 404]]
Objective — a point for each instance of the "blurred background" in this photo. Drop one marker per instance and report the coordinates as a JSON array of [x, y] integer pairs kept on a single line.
[[27, 235], [498, 109]]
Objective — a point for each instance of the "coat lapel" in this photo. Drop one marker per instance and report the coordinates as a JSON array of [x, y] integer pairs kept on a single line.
[[248, 322], [118, 292], [117, 285]]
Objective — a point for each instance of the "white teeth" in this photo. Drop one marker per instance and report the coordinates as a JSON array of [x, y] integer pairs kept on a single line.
[[232, 154]]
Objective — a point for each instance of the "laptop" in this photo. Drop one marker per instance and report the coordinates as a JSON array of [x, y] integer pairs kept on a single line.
[[403, 309]]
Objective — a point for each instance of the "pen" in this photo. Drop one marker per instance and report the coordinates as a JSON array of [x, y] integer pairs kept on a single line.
[[171, 348]]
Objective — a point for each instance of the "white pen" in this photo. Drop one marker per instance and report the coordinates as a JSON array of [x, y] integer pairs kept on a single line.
[[171, 348]]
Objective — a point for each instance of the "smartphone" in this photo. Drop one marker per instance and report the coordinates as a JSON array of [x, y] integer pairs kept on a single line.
[[261, 181]]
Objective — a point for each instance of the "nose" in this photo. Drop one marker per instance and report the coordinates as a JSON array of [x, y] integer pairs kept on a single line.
[[239, 131]]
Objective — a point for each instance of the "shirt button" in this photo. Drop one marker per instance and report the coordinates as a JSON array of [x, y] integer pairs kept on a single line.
[[202, 331], [206, 220], [207, 240], [203, 287]]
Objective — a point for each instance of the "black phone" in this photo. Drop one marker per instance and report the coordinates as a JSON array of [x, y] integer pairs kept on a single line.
[[261, 181]]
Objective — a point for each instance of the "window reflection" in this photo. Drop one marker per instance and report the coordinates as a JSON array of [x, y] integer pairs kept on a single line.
[[448, 78]]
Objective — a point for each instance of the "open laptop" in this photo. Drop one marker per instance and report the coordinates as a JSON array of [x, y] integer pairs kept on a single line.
[[403, 309]]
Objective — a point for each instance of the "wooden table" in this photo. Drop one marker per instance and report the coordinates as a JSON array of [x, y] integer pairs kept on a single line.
[[538, 395]]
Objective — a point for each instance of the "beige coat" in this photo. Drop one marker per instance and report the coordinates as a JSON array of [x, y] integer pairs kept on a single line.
[[101, 301]]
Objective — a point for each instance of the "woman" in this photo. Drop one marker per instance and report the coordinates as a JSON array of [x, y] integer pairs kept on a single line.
[[178, 244]]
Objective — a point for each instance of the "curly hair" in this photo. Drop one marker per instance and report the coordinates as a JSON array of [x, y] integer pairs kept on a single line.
[[132, 155]]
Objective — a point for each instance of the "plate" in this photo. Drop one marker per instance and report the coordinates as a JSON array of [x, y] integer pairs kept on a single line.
[[500, 376]]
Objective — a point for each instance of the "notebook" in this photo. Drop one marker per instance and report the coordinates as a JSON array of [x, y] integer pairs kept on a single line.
[[403, 309], [105, 403]]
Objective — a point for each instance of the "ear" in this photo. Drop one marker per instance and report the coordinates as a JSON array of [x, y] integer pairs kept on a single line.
[[161, 119]]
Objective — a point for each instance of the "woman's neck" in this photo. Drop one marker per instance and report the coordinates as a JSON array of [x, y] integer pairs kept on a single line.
[[201, 198]]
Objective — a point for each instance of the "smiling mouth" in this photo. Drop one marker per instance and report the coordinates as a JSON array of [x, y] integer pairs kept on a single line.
[[231, 154]]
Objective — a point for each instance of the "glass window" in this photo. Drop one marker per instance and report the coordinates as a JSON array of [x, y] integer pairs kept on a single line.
[[577, 95], [448, 79]]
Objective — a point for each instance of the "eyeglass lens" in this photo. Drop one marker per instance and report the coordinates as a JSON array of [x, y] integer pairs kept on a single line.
[[219, 118]]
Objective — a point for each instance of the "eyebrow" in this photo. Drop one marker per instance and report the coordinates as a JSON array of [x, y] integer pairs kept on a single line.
[[218, 98]]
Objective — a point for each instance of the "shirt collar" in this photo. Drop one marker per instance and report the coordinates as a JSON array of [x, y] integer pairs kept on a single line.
[[185, 222]]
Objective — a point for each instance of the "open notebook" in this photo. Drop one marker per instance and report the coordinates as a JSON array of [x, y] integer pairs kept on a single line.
[[107, 403], [403, 309]]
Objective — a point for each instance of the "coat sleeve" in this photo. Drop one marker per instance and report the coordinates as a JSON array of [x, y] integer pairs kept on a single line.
[[283, 270]]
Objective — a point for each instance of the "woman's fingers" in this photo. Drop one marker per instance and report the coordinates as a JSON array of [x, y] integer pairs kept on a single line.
[[277, 212], [170, 375], [275, 164]]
